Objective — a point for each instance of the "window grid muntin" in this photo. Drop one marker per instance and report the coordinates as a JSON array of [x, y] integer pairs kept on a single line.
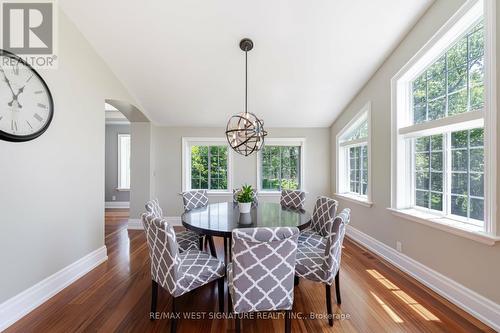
[[430, 172], [447, 178], [468, 174], [479, 25], [358, 161], [208, 156], [267, 169]]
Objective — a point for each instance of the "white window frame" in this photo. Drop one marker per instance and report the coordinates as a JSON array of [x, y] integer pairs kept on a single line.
[[402, 127], [119, 164], [301, 142], [342, 185], [187, 143]]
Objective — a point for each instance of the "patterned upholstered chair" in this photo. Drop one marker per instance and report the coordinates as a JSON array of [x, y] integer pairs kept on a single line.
[[323, 265], [237, 191], [194, 199], [197, 199], [293, 199], [324, 211], [260, 278], [186, 240], [177, 272]]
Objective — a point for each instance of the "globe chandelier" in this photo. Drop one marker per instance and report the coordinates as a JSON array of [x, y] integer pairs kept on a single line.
[[244, 131]]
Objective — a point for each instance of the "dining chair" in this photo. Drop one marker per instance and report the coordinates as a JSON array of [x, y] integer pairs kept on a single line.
[[293, 199], [323, 212], [186, 239], [177, 272], [236, 192], [323, 265], [197, 199], [194, 199], [260, 277]]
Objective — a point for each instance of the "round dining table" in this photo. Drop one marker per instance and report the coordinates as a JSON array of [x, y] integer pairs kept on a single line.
[[220, 219]]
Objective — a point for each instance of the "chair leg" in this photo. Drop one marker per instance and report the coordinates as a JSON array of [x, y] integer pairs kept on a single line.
[[296, 280], [229, 250], [329, 305], [220, 284], [229, 302], [237, 324], [173, 323], [288, 321], [154, 298], [212, 246], [225, 250], [337, 287], [200, 240]]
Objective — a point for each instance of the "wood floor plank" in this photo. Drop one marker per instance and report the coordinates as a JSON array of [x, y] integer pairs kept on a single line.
[[115, 297]]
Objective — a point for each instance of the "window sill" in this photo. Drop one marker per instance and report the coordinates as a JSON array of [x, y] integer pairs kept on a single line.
[[219, 193], [354, 198], [445, 224], [264, 193], [123, 189], [268, 193]]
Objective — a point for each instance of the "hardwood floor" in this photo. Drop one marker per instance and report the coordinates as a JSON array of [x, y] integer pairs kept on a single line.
[[116, 297]]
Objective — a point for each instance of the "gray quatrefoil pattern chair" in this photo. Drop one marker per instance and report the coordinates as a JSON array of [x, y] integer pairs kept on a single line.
[[197, 199], [260, 278], [324, 211], [194, 199], [177, 272], [293, 199], [237, 191], [186, 240], [323, 265]]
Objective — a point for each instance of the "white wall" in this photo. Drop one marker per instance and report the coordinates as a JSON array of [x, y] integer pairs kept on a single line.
[[52, 188], [472, 264], [140, 167], [167, 148]]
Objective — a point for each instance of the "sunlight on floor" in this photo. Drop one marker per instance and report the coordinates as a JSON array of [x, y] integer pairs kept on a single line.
[[387, 309], [403, 296]]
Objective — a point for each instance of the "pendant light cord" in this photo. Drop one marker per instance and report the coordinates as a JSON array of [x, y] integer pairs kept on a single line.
[[246, 80]]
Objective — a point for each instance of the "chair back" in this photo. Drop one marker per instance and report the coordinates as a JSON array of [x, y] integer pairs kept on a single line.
[[163, 251], [153, 207], [293, 199], [194, 199], [335, 238], [237, 191], [263, 268], [324, 211]]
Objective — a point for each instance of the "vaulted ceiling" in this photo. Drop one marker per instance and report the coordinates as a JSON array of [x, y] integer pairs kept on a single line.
[[181, 61]]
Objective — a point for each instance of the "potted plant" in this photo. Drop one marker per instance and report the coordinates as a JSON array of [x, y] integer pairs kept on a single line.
[[245, 199]]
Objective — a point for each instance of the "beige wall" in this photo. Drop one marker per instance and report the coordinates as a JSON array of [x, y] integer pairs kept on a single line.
[[475, 265], [52, 188], [167, 147]]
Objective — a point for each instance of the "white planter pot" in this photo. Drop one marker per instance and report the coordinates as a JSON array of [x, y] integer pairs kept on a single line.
[[244, 207]]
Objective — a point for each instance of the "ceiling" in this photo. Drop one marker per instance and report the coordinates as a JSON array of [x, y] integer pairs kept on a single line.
[[180, 60]]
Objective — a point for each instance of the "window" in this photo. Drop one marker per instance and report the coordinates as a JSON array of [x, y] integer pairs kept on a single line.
[[206, 165], [353, 158], [440, 140], [280, 165], [123, 161]]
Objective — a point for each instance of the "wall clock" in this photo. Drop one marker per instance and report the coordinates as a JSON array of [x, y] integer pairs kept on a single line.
[[26, 105]]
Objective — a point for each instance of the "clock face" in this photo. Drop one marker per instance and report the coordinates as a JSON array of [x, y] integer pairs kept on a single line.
[[26, 105]]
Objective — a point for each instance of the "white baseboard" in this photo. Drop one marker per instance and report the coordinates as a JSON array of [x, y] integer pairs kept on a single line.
[[136, 224], [117, 204], [477, 305], [20, 305]]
